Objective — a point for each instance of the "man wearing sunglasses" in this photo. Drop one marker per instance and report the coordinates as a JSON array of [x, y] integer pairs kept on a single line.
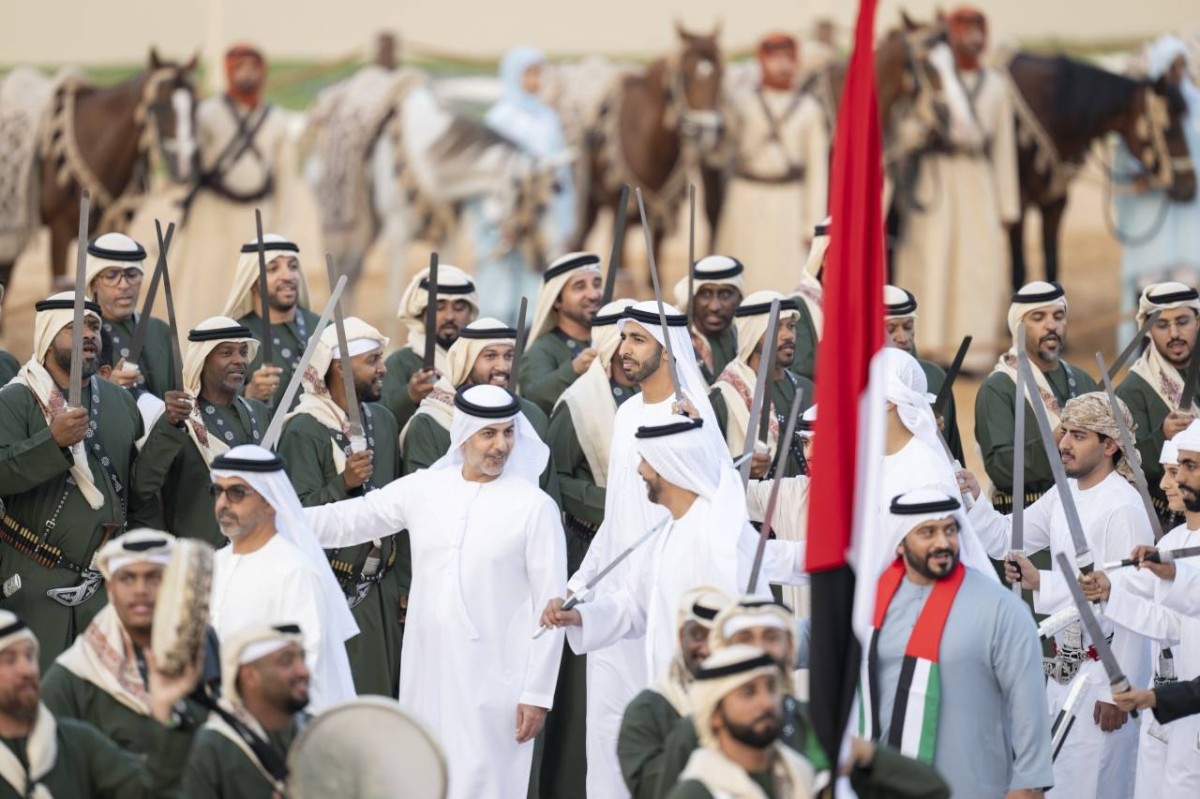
[[115, 272]]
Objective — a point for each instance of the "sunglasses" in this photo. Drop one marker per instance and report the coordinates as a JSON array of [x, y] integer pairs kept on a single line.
[[235, 493], [112, 277]]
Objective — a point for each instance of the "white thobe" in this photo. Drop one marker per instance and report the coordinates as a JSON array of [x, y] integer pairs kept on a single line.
[[1168, 765], [952, 253], [690, 551], [1092, 763], [487, 558], [616, 673], [276, 584], [915, 465], [790, 523]]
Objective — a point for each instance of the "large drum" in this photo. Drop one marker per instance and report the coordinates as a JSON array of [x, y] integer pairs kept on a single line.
[[181, 612], [366, 748]]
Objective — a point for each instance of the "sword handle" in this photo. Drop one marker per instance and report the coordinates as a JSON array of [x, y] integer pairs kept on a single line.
[[571, 602]]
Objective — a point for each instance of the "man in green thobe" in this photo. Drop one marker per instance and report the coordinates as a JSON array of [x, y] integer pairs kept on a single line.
[[116, 266], [43, 756], [560, 341], [9, 365], [207, 418], [1042, 307], [407, 381], [719, 283], [652, 715], [103, 678], [64, 477], [733, 391], [326, 464], [264, 690], [900, 318], [290, 320], [580, 435], [1153, 388], [483, 354]]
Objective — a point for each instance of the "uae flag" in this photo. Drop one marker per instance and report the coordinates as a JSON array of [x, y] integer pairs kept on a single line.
[[844, 500]]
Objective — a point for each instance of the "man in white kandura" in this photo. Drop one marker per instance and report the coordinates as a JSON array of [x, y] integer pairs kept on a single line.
[[488, 552], [708, 541], [274, 570], [615, 674]]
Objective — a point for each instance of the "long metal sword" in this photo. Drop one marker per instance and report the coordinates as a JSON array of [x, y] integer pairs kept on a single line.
[[761, 386], [574, 599], [1130, 446], [75, 381], [662, 314], [138, 342], [1018, 486], [431, 313], [1066, 718], [1116, 677], [514, 377], [614, 258], [169, 298], [263, 297], [358, 437], [1083, 552], [773, 497], [271, 437], [1132, 346], [945, 392], [691, 279]]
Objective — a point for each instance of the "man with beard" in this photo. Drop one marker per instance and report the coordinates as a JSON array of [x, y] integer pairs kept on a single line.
[[199, 423], [580, 438], [487, 552], [43, 756], [64, 477], [708, 540], [737, 709], [953, 244], [779, 187], [1097, 759], [900, 318], [290, 319], [274, 571], [407, 381], [103, 678], [953, 660], [617, 673], [733, 392], [1153, 389], [654, 712], [719, 283], [242, 751], [1043, 308], [768, 626], [1154, 602], [482, 355], [116, 266], [560, 341], [324, 467], [246, 161]]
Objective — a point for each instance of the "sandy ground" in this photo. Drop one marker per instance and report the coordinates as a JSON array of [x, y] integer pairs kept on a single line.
[[1090, 258]]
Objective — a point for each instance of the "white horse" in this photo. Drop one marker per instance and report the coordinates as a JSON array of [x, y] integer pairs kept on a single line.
[[388, 156]]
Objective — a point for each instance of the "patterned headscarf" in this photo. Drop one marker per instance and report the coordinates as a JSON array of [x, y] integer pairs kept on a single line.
[[1093, 412]]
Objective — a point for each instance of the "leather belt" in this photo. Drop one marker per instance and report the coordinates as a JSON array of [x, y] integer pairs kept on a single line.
[[1003, 501], [584, 531]]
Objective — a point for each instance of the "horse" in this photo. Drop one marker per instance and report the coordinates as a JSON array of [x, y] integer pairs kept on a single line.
[[387, 157], [1062, 107], [651, 128], [108, 140]]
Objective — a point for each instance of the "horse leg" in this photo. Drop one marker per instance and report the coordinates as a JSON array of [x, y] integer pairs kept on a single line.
[[1051, 219], [63, 228], [1016, 251], [714, 198]]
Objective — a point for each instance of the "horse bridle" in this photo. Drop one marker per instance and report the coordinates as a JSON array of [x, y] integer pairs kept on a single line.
[[692, 122], [1151, 129], [156, 108]]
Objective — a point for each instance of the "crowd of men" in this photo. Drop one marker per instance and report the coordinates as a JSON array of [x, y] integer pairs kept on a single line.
[[556, 565]]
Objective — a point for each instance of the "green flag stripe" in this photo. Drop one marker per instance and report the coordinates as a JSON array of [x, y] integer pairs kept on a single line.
[[929, 726]]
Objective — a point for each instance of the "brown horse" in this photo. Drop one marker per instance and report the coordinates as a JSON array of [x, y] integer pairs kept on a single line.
[[108, 140], [650, 129], [1071, 104]]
